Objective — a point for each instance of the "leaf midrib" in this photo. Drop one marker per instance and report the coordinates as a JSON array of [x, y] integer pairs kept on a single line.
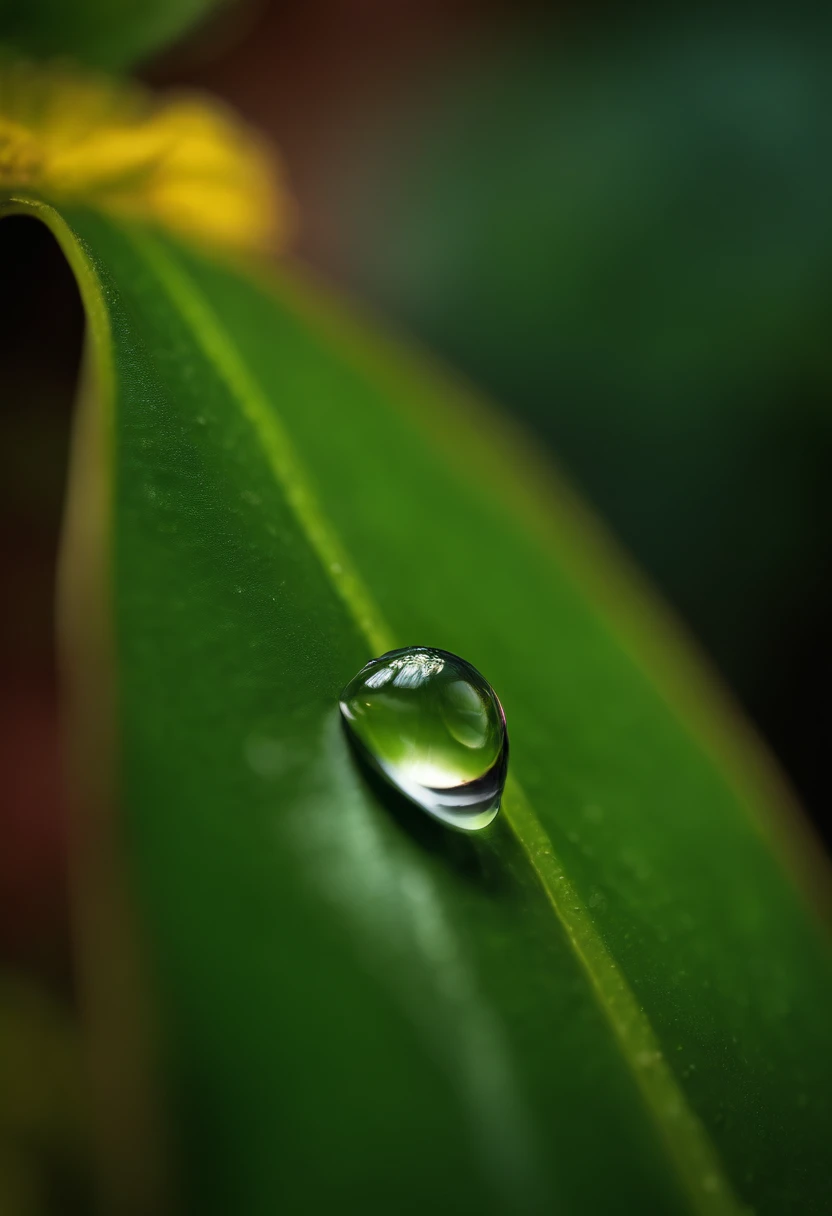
[[679, 1128]]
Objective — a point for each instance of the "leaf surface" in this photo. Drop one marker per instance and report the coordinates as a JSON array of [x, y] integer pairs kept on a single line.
[[613, 1000]]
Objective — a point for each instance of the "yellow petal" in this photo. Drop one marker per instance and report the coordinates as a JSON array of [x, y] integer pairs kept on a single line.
[[185, 162]]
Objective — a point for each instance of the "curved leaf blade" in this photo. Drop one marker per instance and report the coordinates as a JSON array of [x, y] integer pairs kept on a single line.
[[579, 1081]]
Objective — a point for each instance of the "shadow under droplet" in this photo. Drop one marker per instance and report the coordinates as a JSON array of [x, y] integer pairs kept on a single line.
[[473, 856]]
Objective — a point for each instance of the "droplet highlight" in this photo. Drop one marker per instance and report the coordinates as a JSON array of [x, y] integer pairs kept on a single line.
[[433, 727]]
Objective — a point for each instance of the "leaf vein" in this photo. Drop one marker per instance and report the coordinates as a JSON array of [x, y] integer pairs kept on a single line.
[[680, 1130]]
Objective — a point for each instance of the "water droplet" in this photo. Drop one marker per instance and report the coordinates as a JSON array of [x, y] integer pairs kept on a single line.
[[433, 727]]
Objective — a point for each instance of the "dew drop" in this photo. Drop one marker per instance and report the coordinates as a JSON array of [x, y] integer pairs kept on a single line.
[[433, 727]]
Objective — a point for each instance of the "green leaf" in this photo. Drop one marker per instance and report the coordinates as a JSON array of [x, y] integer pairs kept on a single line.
[[111, 34], [646, 298], [612, 1000]]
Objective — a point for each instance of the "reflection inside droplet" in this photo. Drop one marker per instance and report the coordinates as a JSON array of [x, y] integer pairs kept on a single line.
[[433, 727]]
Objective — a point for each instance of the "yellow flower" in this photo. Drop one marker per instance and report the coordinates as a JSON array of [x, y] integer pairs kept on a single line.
[[185, 162]]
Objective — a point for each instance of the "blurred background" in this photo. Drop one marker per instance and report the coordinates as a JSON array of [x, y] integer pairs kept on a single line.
[[616, 225]]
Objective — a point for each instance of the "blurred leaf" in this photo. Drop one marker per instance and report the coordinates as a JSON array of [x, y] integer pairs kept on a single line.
[[624, 235], [110, 34], [615, 999]]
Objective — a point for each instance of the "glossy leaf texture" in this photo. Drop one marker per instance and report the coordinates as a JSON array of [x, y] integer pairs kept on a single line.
[[616, 997]]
